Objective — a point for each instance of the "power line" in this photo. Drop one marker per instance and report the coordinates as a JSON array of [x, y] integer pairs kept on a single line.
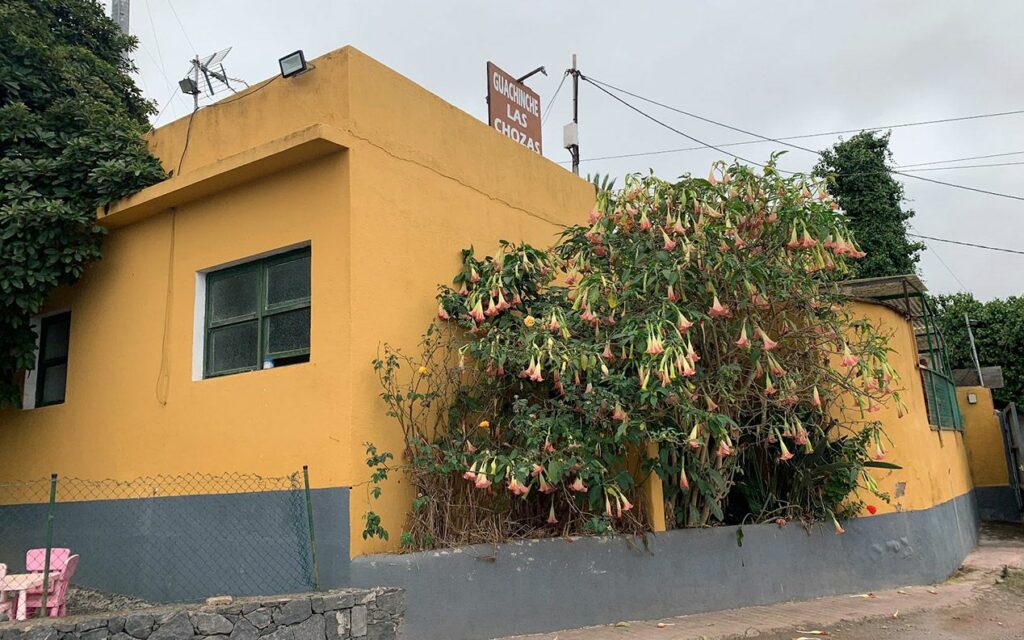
[[195, 51], [966, 244], [991, 155], [964, 166], [780, 139], [602, 88], [547, 109]]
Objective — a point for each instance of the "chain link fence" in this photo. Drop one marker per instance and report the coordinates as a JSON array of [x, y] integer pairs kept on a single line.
[[159, 539]]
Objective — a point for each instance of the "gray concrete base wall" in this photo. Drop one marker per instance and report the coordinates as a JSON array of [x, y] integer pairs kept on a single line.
[[489, 591], [374, 614], [186, 548], [997, 504]]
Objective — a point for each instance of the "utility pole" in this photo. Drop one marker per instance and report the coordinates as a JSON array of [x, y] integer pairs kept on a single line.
[[571, 132], [119, 13], [974, 350]]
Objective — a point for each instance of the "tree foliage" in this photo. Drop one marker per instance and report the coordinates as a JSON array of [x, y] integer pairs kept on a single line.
[[71, 124], [860, 180], [998, 336], [687, 330]]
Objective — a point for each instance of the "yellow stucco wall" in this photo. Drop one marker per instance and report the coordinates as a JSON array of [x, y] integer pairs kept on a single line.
[[984, 437], [934, 463], [417, 180]]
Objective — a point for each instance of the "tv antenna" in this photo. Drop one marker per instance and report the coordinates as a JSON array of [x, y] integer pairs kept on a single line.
[[207, 76]]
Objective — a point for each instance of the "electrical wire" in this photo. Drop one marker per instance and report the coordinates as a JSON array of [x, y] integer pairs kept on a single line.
[[965, 244], [170, 3], [991, 155], [964, 166], [188, 136], [547, 109], [602, 88]]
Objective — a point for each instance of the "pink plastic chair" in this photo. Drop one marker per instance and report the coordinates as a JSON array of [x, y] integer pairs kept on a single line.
[[6, 606], [35, 559], [57, 596]]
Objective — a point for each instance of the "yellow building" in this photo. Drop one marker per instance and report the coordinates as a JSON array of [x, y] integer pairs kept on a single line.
[[337, 200], [231, 324]]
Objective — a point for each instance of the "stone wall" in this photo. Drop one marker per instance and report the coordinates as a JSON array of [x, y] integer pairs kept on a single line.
[[371, 614]]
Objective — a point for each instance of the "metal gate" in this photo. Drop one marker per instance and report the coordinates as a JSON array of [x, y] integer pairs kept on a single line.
[[1013, 440]]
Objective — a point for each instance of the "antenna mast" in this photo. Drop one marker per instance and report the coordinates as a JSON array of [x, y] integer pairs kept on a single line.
[[120, 11]]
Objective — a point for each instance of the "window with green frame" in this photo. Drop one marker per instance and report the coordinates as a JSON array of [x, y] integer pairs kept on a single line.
[[257, 314]]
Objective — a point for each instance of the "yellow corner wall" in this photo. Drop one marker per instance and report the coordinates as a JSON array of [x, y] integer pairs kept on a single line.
[[984, 437], [934, 463]]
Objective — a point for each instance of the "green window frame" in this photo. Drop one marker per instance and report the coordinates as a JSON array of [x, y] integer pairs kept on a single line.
[[52, 360], [258, 314]]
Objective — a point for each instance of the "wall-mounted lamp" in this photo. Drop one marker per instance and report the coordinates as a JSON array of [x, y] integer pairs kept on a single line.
[[189, 86], [293, 64]]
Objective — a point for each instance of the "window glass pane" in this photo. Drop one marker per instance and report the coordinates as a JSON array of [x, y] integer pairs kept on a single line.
[[55, 331], [54, 380], [233, 295], [288, 331], [234, 347], [288, 281]]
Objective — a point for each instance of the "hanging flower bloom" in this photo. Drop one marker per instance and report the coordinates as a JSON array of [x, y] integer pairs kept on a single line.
[[815, 398], [794, 242], [536, 470], [785, 454], [689, 370], [691, 353], [743, 342], [671, 294], [768, 343], [626, 504], [694, 439], [654, 345], [578, 486], [724, 449], [478, 311], [839, 529], [608, 506], [607, 353], [645, 223], [849, 360], [553, 323], [769, 385], [482, 482], [717, 310], [670, 244], [441, 313], [470, 448], [551, 514], [682, 323], [593, 216], [619, 414], [545, 486], [684, 482]]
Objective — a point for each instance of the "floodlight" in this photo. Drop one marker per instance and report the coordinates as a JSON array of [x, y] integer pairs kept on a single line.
[[189, 86], [293, 64]]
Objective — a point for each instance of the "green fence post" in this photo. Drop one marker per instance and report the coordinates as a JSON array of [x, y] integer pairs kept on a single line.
[[49, 542], [312, 534]]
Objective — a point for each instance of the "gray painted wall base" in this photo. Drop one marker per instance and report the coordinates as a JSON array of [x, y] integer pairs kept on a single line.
[[489, 591], [997, 504], [185, 548]]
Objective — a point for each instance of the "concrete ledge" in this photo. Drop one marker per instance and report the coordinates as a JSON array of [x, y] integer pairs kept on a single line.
[[295, 148], [546, 585], [997, 503]]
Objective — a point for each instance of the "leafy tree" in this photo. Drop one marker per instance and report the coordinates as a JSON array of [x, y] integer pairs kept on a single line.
[[71, 124], [687, 330], [998, 336], [860, 179]]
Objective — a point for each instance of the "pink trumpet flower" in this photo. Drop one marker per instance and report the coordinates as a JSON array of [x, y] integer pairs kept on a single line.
[[671, 294], [718, 310], [724, 449], [553, 323], [808, 242], [688, 369], [786, 453], [546, 487], [670, 244], [684, 482], [593, 216], [608, 506], [619, 414], [682, 323], [441, 313], [691, 353], [626, 504], [578, 486], [694, 439], [654, 346], [536, 470], [794, 242], [849, 360], [474, 277], [607, 353], [551, 515], [478, 311], [645, 223], [769, 344], [482, 482], [743, 342], [469, 475]]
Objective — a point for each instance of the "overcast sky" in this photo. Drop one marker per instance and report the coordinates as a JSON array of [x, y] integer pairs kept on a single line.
[[776, 68]]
